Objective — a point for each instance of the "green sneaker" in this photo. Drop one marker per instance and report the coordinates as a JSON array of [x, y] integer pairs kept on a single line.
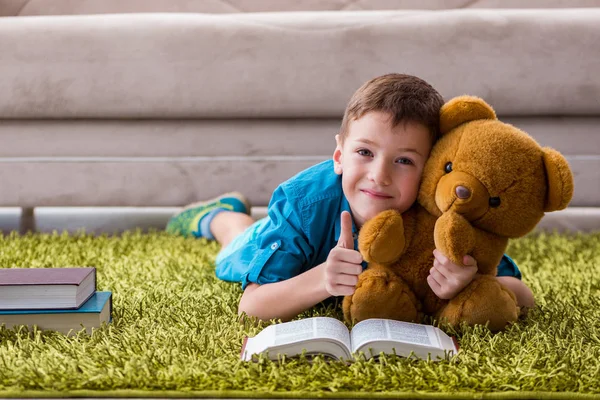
[[187, 222]]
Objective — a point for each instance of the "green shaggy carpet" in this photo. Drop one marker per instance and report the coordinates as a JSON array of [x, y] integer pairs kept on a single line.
[[176, 332]]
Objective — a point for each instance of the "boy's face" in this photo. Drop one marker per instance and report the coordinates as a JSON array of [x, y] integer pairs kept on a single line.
[[381, 165]]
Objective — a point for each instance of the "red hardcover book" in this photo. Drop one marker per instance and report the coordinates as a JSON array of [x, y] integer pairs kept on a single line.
[[45, 288]]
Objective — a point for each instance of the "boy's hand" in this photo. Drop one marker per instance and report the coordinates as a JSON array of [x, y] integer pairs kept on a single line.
[[447, 279], [343, 264]]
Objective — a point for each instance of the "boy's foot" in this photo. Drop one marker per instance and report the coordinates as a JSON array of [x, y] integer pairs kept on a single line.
[[189, 222]]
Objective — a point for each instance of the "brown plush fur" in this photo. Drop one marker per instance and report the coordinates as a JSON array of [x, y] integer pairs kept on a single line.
[[489, 159]]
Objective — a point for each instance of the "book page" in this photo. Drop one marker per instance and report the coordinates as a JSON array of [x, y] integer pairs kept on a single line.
[[312, 328], [285, 334], [259, 343], [334, 329], [375, 329]]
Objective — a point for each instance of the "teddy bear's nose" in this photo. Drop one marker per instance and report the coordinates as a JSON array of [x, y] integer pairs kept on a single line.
[[462, 192]]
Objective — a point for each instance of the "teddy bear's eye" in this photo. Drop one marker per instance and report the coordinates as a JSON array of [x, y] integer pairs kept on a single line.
[[448, 167], [494, 202]]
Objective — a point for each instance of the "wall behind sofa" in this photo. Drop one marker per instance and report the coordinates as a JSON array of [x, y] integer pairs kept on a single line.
[[80, 7]]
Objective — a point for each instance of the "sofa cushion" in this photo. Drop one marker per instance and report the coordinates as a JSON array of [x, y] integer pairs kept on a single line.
[[524, 62], [166, 163]]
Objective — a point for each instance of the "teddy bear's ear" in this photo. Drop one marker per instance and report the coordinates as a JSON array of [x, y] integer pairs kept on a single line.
[[560, 180], [462, 109]]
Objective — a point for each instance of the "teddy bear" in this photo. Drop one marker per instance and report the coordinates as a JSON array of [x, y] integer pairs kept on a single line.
[[485, 182]]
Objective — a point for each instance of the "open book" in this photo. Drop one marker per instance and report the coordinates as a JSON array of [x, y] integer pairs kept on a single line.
[[330, 337]]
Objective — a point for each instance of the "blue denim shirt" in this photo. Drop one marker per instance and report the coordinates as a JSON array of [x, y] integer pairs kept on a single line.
[[302, 226]]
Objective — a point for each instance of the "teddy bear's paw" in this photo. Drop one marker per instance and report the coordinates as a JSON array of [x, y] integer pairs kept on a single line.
[[381, 238], [381, 294], [484, 301], [454, 236]]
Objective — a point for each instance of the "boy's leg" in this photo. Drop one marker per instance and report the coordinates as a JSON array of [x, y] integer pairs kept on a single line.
[[196, 219], [228, 224]]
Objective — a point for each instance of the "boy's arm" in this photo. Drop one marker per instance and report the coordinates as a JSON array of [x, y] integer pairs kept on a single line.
[[285, 299], [446, 279]]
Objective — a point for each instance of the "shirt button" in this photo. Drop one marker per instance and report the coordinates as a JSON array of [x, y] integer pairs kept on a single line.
[[355, 236], [274, 246]]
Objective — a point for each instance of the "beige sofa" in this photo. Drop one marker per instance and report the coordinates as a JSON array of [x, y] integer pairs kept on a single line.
[[171, 102]]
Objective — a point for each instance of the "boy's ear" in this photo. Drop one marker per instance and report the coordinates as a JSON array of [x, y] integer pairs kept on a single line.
[[337, 156]]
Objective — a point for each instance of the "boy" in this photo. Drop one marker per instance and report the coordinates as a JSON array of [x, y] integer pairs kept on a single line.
[[305, 250]]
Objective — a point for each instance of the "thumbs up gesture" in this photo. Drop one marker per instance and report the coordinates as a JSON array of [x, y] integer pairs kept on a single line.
[[343, 264]]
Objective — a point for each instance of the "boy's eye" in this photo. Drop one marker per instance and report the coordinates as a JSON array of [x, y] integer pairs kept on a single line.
[[364, 152], [406, 161]]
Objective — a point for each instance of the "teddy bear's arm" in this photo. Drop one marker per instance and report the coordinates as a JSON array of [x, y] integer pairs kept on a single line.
[[382, 239], [454, 236], [488, 251]]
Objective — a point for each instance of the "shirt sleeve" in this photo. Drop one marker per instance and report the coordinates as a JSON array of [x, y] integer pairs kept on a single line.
[[279, 248], [507, 267]]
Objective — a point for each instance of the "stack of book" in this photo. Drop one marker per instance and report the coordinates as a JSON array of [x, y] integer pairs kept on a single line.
[[58, 299]]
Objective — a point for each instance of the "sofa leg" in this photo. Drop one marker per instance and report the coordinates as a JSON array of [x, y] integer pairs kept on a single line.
[[27, 223]]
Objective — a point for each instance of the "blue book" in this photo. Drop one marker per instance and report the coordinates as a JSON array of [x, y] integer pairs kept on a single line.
[[90, 315]]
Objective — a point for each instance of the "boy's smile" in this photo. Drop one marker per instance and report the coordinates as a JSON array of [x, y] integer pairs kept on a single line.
[[376, 195], [381, 164]]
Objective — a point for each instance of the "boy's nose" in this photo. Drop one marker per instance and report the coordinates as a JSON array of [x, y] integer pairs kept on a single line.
[[381, 175]]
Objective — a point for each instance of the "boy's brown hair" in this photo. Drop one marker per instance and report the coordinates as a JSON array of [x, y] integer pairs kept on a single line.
[[405, 97]]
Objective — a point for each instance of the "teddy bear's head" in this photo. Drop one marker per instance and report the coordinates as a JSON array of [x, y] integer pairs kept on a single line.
[[495, 175]]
